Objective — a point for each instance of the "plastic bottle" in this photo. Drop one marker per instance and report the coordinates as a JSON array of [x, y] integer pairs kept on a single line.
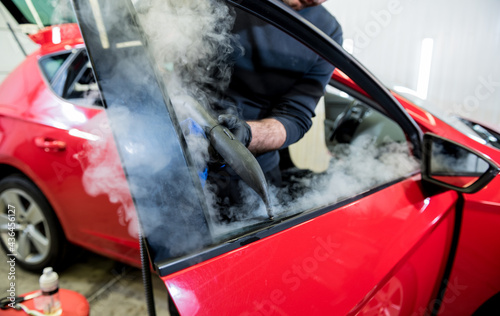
[[49, 285]]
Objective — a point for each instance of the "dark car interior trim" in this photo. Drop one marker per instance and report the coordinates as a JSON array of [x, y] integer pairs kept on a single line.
[[357, 95]]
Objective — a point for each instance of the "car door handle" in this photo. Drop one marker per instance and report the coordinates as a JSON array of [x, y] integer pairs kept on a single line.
[[50, 144]]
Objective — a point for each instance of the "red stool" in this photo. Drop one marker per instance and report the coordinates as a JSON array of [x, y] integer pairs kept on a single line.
[[72, 303]]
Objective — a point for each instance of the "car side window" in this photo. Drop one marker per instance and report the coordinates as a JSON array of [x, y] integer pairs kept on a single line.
[[350, 149], [50, 65], [348, 120], [71, 77]]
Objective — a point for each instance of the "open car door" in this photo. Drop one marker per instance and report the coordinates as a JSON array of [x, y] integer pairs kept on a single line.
[[383, 246]]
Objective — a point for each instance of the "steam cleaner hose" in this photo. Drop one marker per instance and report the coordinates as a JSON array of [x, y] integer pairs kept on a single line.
[[146, 276]]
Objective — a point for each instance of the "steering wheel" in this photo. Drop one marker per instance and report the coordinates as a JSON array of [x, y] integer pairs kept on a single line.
[[347, 122]]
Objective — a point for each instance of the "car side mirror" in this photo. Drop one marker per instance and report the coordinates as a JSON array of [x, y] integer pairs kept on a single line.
[[452, 165]]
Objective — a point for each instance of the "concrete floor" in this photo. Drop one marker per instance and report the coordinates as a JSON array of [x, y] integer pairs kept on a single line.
[[110, 287]]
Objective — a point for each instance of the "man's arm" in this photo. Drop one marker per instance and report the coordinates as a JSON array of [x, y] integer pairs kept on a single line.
[[267, 135]]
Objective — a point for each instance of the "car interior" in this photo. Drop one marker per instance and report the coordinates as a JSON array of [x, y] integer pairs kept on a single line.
[[344, 124]]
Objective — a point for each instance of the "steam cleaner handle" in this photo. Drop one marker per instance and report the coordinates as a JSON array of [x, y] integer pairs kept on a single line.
[[236, 155], [241, 160]]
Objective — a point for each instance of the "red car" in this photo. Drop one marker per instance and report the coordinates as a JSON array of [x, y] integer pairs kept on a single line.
[[370, 231], [45, 126]]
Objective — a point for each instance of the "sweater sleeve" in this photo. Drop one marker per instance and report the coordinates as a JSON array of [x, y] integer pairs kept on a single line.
[[295, 109]]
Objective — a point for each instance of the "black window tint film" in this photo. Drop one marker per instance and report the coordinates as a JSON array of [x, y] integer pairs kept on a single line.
[[160, 172]]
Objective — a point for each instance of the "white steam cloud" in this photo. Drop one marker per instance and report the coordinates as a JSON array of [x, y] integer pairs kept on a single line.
[[191, 41], [103, 173], [353, 169]]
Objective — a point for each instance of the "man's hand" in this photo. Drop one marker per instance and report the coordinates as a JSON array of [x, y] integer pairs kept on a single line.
[[240, 129], [268, 134], [259, 136]]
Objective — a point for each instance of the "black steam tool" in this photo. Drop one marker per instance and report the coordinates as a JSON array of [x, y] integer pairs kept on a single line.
[[235, 154]]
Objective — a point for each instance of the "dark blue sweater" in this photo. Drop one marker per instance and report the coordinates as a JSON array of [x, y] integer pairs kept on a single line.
[[275, 76]]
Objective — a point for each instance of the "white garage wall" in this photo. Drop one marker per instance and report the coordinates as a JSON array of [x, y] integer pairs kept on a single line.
[[10, 53], [464, 76]]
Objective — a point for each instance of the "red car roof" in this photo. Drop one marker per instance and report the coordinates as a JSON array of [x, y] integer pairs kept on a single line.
[[58, 37]]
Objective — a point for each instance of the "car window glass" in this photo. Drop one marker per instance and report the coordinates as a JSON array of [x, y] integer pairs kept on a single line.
[[273, 75], [80, 86], [51, 64], [350, 148], [75, 81]]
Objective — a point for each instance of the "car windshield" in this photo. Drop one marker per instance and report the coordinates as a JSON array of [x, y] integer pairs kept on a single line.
[[490, 136]]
